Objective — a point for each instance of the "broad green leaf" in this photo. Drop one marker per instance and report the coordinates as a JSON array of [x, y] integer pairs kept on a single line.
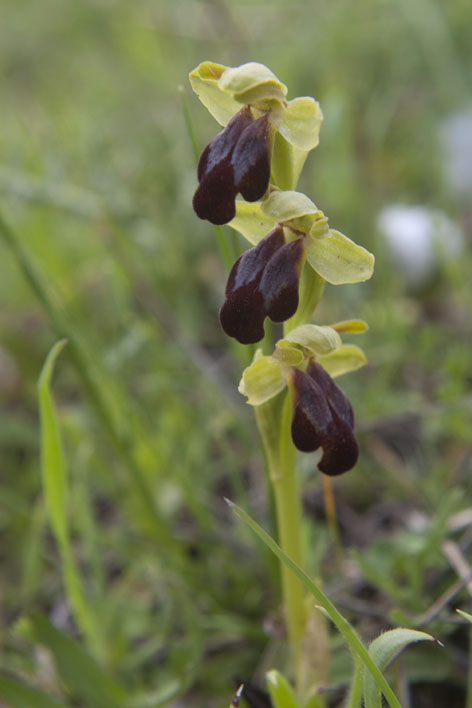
[[285, 206], [251, 221], [346, 629], [52, 456], [14, 694], [318, 340], [83, 678], [287, 354], [251, 82], [382, 650], [339, 260], [347, 358], [204, 81], [301, 123], [281, 693], [261, 381], [350, 326]]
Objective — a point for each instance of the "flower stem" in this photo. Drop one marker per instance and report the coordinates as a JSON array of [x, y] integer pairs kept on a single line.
[[273, 419]]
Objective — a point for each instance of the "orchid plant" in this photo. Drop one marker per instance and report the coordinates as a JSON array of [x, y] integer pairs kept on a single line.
[[259, 154]]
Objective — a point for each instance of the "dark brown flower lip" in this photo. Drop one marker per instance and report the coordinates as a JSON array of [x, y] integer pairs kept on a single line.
[[236, 160], [262, 283], [323, 417]]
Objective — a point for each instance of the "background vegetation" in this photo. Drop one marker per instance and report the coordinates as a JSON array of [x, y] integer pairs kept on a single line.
[[96, 179]]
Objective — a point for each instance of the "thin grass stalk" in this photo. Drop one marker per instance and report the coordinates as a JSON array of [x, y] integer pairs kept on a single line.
[[346, 629], [91, 378]]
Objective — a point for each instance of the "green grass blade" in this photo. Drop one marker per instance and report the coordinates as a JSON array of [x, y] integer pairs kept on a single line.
[[55, 488], [99, 387], [349, 633], [52, 455], [281, 693], [354, 697], [18, 695], [78, 671], [381, 650]]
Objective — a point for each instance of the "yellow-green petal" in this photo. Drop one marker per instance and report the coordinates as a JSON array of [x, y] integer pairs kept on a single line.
[[204, 81], [317, 339], [261, 381], [285, 206], [251, 221], [338, 259], [350, 326], [347, 358], [288, 355], [301, 123], [251, 82]]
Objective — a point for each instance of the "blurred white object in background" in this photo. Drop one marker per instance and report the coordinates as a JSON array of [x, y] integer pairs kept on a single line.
[[456, 137], [418, 239]]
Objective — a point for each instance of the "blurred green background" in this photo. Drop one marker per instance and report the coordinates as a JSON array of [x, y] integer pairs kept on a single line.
[[96, 179]]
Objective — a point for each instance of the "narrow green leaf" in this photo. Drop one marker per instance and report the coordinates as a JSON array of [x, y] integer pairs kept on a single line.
[[79, 672], [281, 693], [382, 650], [354, 696], [52, 456], [346, 629], [15, 694], [106, 397], [55, 488], [465, 615]]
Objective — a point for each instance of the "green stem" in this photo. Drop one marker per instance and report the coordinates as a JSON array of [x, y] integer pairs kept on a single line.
[[273, 419], [469, 674], [355, 691], [347, 630]]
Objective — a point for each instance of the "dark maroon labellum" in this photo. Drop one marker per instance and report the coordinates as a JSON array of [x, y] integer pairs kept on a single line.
[[262, 283], [236, 160], [243, 312], [323, 417]]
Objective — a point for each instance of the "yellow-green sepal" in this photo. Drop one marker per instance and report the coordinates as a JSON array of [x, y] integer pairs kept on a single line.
[[318, 340], [204, 80], [261, 380], [347, 358], [338, 259], [286, 206], [301, 123], [251, 83], [251, 221], [298, 133]]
